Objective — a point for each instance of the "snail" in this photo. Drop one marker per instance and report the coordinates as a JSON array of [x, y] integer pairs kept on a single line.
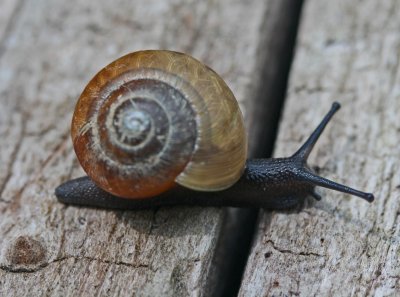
[[158, 128]]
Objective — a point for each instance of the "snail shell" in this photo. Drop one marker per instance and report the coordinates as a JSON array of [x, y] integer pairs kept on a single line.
[[152, 119]]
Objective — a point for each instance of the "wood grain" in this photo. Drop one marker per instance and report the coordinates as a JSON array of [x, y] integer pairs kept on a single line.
[[49, 51], [341, 246]]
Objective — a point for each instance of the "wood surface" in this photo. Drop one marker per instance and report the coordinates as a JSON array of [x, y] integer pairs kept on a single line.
[[48, 52], [349, 51]]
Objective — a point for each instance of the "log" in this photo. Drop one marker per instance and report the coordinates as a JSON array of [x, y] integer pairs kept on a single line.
[[348, 51], [48, 52]]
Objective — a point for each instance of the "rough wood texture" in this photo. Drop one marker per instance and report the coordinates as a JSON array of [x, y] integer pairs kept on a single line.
[[341, 246], [48, 52]]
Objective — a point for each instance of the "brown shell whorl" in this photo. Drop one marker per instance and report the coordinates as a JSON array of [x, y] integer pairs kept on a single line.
[[154, 118], [141, 133]]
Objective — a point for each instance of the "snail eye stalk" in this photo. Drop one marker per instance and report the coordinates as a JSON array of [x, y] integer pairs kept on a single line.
[[308, 176]]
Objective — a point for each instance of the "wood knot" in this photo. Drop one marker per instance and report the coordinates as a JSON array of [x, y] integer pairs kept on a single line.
[[25, 250], [267, 255]]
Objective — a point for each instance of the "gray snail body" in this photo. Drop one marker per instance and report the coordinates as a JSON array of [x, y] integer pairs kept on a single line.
[[166, 107]]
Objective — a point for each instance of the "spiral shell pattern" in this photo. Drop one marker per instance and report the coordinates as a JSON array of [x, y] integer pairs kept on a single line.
[[152, 119]]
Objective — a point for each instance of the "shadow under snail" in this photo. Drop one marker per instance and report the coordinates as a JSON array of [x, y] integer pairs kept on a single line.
[[161, 128]]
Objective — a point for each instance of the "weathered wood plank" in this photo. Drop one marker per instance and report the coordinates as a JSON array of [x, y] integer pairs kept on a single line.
[[341, 246], [50, 249], [9, 10]]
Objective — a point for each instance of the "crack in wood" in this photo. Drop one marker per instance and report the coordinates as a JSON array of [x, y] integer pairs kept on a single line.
[[287, 251], [9, 268]]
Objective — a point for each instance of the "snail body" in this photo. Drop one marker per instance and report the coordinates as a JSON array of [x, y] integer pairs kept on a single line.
[[161, 128]]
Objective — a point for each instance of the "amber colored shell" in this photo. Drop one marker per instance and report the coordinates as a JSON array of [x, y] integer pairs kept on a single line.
[[155, 118]]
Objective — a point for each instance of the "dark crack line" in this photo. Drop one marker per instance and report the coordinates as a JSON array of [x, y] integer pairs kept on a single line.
[[8, 268], [286, 251]]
